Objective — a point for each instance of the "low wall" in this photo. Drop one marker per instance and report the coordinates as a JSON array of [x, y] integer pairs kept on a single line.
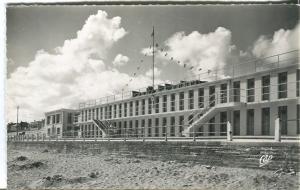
[[231, 154]]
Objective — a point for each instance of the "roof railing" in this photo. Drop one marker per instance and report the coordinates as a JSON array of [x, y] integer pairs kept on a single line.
[[236, 70]]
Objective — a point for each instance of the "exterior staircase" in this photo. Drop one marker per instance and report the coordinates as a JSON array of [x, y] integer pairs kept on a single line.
[[201, 116], [105, 127]]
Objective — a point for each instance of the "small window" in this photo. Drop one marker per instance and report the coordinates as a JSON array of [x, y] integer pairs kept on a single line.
[[250, 90], [282, 85]]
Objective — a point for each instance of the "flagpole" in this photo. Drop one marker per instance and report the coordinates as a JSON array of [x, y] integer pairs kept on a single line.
[[153, 58]]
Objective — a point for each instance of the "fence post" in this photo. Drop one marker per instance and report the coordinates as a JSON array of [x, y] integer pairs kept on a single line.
[[194, 138], [229, 131], [277, 130], [166, 135], [125, 135]]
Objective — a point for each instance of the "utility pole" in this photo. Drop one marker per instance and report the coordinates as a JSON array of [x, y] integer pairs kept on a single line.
[[17, 119]]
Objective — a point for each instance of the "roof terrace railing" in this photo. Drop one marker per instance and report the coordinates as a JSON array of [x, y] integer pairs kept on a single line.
[[231, 71]]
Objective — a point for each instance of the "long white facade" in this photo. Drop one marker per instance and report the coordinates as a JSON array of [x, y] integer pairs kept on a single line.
[[250, 102]]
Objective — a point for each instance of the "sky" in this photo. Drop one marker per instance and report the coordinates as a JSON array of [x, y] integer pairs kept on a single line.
[[59, 56]]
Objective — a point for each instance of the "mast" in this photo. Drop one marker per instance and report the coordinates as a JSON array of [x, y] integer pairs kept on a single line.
[[153, 58]]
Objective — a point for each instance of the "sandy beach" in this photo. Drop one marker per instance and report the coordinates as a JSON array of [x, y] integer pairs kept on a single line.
[[50, 169]]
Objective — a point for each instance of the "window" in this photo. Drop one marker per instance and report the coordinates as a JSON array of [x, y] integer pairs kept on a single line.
[[191, 99], [181, 119], [265, 89], [282, 85], [85, 115], [120, 128], [90, 113], [115, 111], [165, 103], [172, 127], [136, 131], [149, 127], [172, 102], [143, 127], [181, 101], [211, 127], [200, 98], [69, 117], [48, 120], [250, 90], [164, 124], [282, 113], [156, 127], [236, 91], [149, 106], [109, 111], [143, 107], [97, 113], [125, 110], [101, 113], [223, 120], [48, 132], [82, 112], [93, 113], [130, 108], [250, 122], [130, 127], [125, 128], [53, 119], [298, 119], [58, 131], [265, 121], [137, 107], [223, 92], [105, 112], [212, 96], [120, 110], [156, 104], [298, 83], [57, 118]]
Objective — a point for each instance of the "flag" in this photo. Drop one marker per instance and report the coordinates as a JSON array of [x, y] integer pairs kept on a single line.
[[152, 34]]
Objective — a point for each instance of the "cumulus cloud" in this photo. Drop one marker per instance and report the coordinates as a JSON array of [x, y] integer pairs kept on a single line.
[[157, 72], [120, 60], [74, 73], [207, 51], [281, 41]]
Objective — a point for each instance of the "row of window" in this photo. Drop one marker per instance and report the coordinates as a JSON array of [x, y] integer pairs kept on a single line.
[[53, 119], [56, 118], [121, 110], [158, 127]]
